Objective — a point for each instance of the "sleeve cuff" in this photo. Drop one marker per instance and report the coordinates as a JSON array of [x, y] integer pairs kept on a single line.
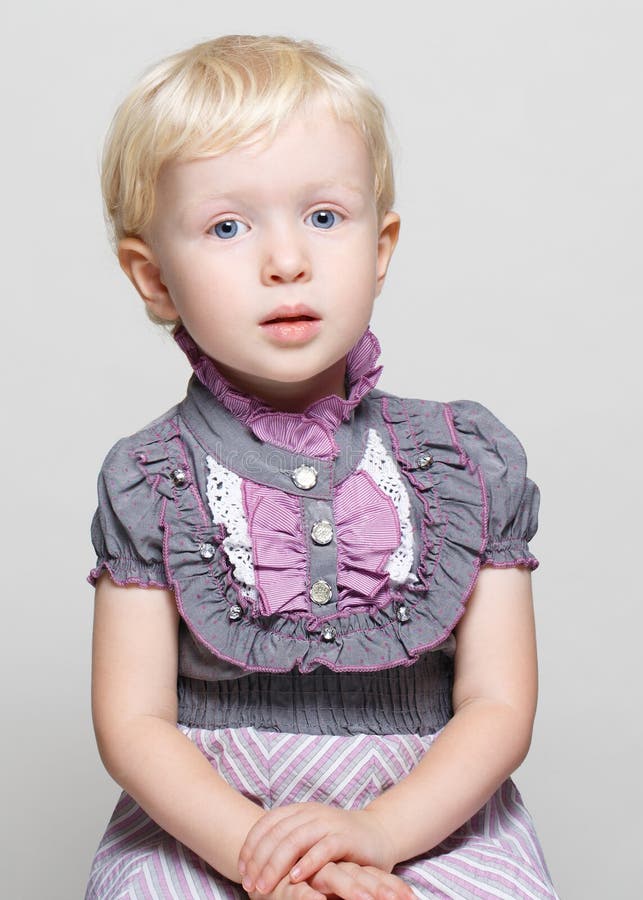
[[127, 571], [508, 553]]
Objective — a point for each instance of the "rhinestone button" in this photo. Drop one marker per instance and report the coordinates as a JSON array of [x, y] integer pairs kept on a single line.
[[425, 461], [206, 551], [328, 633], [403, 614], [321, 592], [179, 477], [305, 477], [322, 532], [234, 613]]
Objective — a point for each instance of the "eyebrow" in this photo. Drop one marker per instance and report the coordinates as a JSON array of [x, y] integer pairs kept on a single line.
[[309, 187], [329, 185]]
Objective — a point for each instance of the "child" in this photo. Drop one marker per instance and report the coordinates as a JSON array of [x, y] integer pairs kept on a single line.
[[303, 583]]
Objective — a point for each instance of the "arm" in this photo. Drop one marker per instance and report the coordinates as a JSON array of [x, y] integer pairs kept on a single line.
[[494, 700], [134, 706]]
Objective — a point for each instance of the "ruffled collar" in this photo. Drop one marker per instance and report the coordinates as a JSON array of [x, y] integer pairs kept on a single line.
[[310, 432]]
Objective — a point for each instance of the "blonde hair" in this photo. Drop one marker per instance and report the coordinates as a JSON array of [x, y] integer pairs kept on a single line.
[[220, 94]]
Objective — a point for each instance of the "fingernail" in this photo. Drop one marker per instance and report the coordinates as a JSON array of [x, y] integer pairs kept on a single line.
[[296, 872], [242, 868], [247, 884], [261, 886]]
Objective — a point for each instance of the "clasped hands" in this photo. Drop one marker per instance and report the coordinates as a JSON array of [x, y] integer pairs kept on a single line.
[[310, 851]]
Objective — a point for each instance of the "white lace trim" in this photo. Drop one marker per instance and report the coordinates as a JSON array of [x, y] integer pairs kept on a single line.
[[226, 505], [379, 465]]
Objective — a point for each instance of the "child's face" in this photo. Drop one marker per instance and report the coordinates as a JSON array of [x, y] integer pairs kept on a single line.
[[249, 236]]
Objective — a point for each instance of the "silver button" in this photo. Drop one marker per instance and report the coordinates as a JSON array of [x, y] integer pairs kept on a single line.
[[179, 477], [424, 461], [305, 477], [234, 613], [403, 614], [321, 592], [322, 532], [206, 551], [328, 633]]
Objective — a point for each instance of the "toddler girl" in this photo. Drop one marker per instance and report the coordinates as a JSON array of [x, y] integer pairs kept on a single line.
[[314, 665]]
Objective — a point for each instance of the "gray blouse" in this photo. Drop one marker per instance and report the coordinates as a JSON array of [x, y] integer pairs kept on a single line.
[[320, 561]]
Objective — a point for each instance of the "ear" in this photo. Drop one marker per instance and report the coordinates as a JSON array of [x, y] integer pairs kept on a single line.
[[139, 264], [386, 241]]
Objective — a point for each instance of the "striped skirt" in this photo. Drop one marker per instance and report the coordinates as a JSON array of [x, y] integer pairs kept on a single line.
[[495, 854]]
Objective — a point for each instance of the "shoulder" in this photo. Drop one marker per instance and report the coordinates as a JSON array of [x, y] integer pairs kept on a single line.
[[482, 434], [470, 427], [126, 528], [512, 499], [464, 436], [132, 448]]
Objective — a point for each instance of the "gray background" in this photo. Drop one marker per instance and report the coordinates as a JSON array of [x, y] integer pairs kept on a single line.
[[517, 283]]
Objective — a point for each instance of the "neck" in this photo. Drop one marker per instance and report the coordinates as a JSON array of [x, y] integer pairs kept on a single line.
[[293, 397], [303, 416]]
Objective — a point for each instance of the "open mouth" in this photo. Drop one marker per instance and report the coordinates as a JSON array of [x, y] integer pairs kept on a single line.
[[291, 314], [292, 329], [290, 319]]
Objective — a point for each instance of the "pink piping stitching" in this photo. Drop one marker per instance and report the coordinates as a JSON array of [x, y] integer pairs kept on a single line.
[[317, 659], [414, 481], [95, 573], [448, 413], [523, 561]]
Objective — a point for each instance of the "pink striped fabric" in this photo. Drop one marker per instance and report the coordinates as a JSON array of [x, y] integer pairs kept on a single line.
[[367, 528], [496, 854], [368, 531], [278, 548], [312, 432]]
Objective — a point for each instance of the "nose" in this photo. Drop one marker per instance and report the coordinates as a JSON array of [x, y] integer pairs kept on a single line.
[[285, 257]]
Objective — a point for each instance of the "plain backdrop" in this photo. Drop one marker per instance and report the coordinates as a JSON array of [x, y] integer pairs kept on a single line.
[[517, 282]]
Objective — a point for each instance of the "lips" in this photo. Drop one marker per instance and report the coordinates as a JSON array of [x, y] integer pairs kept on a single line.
[[290, 313], [291, 326]]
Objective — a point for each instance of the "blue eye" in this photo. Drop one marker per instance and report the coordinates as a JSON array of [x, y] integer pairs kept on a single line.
[[228, 228], [324, 218]]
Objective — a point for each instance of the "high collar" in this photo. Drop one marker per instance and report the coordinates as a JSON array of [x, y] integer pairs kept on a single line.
[[310, 432]]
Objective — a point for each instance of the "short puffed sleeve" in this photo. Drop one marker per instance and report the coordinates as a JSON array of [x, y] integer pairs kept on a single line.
[[512, 498], [126, 530]]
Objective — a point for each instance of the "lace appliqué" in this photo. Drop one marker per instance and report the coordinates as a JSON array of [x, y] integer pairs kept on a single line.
[[379, 465], [226, 505]]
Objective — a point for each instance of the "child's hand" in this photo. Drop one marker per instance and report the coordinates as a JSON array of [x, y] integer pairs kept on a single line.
[[311, 835], [286, 890], [354, 882], [346, 880]]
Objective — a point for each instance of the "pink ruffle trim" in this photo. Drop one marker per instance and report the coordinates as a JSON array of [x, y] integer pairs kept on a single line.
[[311, 432], [367, 532]]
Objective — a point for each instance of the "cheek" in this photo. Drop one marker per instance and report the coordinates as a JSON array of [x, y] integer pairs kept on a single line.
[[358, 268], [193, 277]]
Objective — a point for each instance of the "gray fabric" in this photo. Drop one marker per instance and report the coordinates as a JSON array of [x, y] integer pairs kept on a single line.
[[323, 559], [229, 441], [472, 505], [405, 700]]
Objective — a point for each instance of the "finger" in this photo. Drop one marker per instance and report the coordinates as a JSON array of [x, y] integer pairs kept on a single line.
[[259, 830], [360, 882], [340, 880], [260, 841], [329, 849], [299, 891], [290, 891], [388, 885], [280, 849]]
